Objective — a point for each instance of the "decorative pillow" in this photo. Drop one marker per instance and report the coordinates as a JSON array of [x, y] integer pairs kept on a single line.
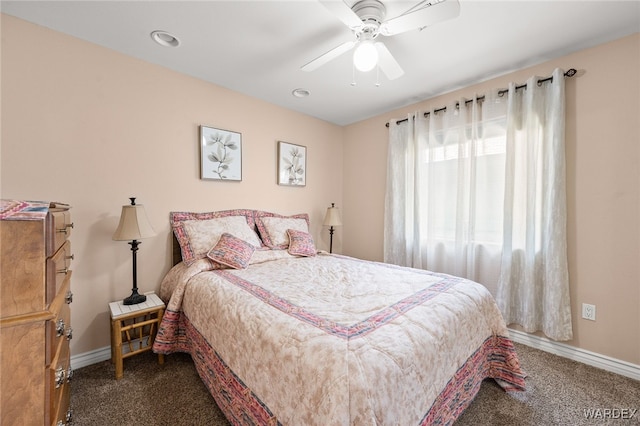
[[232, 252], [301, 243], [273, 228], [198, 232]]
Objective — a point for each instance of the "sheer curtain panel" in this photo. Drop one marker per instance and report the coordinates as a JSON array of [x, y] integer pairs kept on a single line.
[[478, 191], [533, 289]]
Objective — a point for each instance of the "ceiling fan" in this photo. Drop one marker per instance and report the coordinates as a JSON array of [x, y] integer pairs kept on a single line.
[[367, 21]]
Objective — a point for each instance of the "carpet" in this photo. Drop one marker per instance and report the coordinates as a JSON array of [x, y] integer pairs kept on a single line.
[[559, 392]]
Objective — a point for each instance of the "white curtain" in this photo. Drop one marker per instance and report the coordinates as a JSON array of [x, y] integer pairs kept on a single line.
[[478, 191], [533, 289]]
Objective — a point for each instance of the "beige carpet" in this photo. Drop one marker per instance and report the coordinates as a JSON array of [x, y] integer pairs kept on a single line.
[[559, 391]]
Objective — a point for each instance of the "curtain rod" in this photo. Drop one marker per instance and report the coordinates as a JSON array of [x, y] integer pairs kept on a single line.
[[570, 73]]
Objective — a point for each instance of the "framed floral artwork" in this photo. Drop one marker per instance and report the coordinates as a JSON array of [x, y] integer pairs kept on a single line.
[[220, 154], [292, 164]]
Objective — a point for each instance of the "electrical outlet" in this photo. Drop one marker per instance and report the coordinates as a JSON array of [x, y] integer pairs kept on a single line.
[[589, 311]]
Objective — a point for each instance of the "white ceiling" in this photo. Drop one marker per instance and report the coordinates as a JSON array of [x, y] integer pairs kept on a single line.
[[258, 47]]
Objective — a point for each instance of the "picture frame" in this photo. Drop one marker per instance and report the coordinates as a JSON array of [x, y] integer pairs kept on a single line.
[[220, 154], [292, 164]]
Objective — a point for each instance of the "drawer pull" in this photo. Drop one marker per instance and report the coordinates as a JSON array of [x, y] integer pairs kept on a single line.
[[59, 327], [69, 415], [69, 333], [60, 375], [70, 257], [63, 271], [66, 227], [60, 423], [69, 377], [68, 298]]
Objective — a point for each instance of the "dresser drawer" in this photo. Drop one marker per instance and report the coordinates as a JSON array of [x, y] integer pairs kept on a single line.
[[58, 270], [58, 330], [59, 227], [57, 383], [63, 417]]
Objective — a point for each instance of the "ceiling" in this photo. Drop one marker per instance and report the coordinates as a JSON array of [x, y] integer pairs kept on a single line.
[[258, 47]]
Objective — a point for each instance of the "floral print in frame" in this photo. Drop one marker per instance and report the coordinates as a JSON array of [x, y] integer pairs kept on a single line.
[[220, 154], [292, 164]]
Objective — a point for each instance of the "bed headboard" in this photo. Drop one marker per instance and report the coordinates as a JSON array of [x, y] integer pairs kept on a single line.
[[176, 254]]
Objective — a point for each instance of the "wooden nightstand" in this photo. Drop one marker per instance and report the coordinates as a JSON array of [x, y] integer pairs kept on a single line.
[[133, 329]]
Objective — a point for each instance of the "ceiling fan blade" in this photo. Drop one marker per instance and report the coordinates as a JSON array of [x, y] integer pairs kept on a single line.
[[424, 17], [343, 12], [389, 66], [330, 55]]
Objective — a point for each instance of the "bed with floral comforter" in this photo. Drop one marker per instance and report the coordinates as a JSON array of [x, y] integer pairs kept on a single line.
[[333, 340]]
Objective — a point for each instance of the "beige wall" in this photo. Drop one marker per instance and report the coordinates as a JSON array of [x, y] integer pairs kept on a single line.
[[603, 155], [87, 126]]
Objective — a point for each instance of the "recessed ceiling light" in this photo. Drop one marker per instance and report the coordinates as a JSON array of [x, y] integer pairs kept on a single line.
[[163, 38], [300, 93]]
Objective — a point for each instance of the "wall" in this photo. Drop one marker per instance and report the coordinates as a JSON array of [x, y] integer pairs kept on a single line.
[[90, 127], [603, 163]]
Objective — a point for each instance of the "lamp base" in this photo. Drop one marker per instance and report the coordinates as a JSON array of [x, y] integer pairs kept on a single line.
[[135, 298]]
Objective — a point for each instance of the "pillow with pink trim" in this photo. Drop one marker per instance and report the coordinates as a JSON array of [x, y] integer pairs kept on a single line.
[[232, 252], [273, 227], [198, 232], [301, 243]]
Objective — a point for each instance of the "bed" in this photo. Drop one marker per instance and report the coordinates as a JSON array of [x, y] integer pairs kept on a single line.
[[283, 334]]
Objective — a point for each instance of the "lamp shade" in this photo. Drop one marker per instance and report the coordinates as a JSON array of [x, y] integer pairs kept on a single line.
[[332, 217], [134, 224]]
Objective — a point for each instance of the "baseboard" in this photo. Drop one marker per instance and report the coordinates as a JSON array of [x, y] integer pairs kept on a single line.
[[92, 357], [97, 355], [593, 359]]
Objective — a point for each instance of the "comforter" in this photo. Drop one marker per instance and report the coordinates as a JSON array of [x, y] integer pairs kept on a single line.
[[332, 340]]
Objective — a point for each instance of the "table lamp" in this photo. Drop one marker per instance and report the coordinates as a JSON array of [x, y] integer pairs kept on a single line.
[[133, 226], [331, 219]]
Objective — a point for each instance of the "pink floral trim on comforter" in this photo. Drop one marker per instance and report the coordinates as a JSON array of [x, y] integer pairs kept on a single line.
[[235, 399], [358, 329]]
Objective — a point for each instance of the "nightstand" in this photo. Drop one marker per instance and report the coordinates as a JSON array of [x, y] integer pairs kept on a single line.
[[133, 329]]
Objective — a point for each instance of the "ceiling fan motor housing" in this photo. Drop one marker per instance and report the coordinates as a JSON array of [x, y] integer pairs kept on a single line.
[[372, 13]]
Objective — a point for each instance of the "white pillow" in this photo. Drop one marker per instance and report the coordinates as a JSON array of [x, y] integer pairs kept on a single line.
[[204, 234], [274, 229]]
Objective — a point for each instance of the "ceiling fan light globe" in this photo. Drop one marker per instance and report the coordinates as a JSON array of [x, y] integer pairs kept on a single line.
[[365, 57]]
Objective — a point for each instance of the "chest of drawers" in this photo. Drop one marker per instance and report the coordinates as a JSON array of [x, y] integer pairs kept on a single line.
[[35, 294]]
